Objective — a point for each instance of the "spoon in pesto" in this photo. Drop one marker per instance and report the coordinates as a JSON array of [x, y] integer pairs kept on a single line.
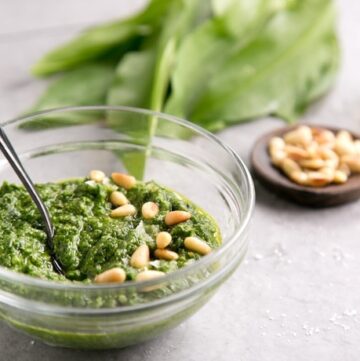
[[10, 154]]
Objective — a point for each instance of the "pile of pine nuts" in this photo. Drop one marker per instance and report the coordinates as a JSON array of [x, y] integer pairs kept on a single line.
[[316, 157], [141, 257]]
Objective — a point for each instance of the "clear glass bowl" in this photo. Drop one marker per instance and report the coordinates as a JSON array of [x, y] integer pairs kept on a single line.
[[64, 143]]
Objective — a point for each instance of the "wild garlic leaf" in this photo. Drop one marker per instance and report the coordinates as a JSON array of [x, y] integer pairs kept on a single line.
[[244, 17], [133, 80], [132, 86], [143, 78], [204, 52], [114, 38], [87, 85], [289, 63]]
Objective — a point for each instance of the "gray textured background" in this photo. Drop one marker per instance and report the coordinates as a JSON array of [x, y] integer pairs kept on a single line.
[[297, 297]]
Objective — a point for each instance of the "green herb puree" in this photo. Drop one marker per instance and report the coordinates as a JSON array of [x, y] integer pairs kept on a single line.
[[87, 240]]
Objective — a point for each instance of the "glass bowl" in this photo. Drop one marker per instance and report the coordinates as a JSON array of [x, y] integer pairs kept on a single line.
[[69, 142]]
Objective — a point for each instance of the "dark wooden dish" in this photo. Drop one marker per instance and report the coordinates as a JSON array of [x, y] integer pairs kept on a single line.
[[272, 177]]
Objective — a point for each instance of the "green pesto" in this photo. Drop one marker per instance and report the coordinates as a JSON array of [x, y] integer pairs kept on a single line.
[[87, 240]]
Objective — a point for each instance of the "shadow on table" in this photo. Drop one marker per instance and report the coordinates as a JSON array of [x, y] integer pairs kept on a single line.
[[17, 346], [270, 200]]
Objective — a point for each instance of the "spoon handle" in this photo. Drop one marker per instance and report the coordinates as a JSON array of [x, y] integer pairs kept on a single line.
[[12, 157]]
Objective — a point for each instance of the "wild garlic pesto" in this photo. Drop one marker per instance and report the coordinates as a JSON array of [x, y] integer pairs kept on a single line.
[[91, 238]]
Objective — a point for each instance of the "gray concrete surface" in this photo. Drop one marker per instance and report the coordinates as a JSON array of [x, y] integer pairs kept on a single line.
[[297, 297]]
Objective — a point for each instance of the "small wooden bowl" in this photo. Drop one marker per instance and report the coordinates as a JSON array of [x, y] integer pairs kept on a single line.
[[272, 177]]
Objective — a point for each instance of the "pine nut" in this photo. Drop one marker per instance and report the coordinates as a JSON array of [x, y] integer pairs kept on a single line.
[[97, 176], [331, 163], [313, 150], [306, 134], [357, 147], [330, 157], [344, 168], [296, 153], [163, 239], [148, 275], [344, 135], [149, 210], [276, 143], [300, 136], [353, 162], [328, 172], [113, 275], [327, 153], [123, 211], [289, 166], [276, 150], [323, 136], [166, 254], [197, 245], [340, 177], [299, 177], [344, 147], [141, 257], [277, 157], [118, 199], [176, 217], [315, 163], [318, 179], [123, 180]]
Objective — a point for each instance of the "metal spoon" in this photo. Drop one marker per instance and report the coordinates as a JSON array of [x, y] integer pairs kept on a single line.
[[12, 157]]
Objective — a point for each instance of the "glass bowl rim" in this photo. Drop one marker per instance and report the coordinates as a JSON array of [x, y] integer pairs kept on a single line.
[[10, 275]]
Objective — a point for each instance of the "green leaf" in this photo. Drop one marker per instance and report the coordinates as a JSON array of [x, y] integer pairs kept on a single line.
[[143, 77], [84, 86], [132, 86], [243, 18], [136, 86], [133, 80], [289, 63], [100, 41], [236, 22]]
